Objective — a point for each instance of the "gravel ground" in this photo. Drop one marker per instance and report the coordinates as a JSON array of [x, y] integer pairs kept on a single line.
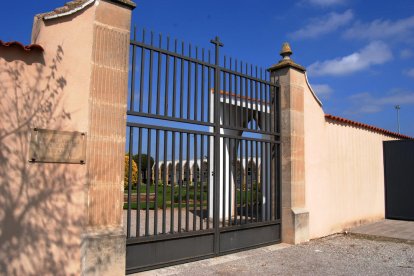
[[334, 255]]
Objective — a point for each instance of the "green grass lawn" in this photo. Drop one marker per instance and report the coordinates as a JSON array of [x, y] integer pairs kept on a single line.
[[168, 192], [191, 197]]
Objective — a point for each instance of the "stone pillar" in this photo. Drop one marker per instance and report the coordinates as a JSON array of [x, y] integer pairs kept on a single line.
[[103, 241], [94, 37], [292, 81]]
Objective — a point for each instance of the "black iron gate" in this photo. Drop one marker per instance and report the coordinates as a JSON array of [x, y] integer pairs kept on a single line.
[[399, 179], [203, 155]]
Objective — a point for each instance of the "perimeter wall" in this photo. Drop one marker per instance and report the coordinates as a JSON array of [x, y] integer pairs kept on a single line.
[[332, 168], [61, 218], [344, 172]]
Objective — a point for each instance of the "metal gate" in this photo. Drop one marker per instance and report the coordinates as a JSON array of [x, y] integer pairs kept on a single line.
[[203, 155], [399, 179]]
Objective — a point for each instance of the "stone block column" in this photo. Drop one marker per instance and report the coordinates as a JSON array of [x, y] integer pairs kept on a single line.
[[103, 243], [94, 37], [292, 81]]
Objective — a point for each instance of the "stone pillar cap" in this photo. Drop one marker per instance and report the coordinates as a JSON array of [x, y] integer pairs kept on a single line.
[[286, 51]]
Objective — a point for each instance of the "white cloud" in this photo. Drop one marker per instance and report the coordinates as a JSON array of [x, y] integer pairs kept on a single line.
[[326, 3], [322, 90], [381, 29], [406, 53], [410, 72], [368, 103], [376, 52], [318, 27]]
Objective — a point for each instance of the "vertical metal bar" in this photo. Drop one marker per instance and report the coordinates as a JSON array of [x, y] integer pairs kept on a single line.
[[273, 103], [182, 82], [278, 182], [148, 182], [266, 108], [195, 178], [256, 102], [189, 84], [247, 99], [262, 169], [209, 89], [225, 96], [230, 151], [271, 195], [262, 115], [196, 88], [231, 108], [141, 89], [159, 77], [217, 44], [150, 76], [246, 162], [132, 99], [164, 184], [251, 180], [138, 222], [235, 176], [201, 179], [174, 80], [264, 112], [241, 96], [208, 180], [241, 181], [236, 95], [202, 87], [180, 183], [187, 185], [167, 78], [257, 180], [267, 157], [224, 182], [172, 182], [157, 164], [131, 137], [251, 99]]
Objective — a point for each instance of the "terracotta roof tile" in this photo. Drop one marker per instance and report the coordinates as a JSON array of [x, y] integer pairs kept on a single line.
[[29, 47], [369, 127]]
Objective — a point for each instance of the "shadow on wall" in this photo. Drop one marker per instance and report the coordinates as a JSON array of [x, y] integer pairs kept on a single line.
[[41, 204], [14, 52]]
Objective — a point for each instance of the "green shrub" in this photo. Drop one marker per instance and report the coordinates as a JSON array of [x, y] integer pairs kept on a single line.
[[134, 178]]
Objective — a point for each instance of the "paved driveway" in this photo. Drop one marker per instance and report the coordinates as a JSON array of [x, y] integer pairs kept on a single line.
[[334, 255]]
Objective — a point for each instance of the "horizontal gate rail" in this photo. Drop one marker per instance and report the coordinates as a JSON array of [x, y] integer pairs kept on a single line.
[[161, 117], [172, 129], [250, 139], [136, 240], [248, 226], [172, 54]]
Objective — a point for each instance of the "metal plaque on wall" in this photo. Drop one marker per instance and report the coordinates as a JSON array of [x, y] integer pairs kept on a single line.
[[54, 146]]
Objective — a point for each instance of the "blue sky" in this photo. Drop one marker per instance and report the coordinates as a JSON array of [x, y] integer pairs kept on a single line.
[[359, 54]]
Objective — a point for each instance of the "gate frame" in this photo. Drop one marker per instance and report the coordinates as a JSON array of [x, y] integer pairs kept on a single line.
[[269, 231]]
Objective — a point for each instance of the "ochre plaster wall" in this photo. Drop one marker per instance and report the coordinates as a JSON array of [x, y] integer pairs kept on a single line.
[[43, 205], [344, 172], [65, 219]]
